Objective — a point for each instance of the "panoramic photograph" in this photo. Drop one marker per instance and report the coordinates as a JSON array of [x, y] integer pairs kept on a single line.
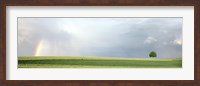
[[99, 42]]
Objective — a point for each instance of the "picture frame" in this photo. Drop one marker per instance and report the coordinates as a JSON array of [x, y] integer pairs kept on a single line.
[[4, 82]]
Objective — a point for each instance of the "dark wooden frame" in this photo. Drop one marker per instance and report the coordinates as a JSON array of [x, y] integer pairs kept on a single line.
[[4, 3]]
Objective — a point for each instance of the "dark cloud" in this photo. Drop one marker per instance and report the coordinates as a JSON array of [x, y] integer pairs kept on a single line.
[[32, 30]]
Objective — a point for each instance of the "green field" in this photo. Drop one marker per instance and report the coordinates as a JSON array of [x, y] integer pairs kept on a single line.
[[96, 62]]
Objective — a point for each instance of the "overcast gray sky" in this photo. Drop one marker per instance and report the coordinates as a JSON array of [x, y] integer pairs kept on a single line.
[[114, 37]]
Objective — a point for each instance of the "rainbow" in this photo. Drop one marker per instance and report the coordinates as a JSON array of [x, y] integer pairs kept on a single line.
[[38, 48]]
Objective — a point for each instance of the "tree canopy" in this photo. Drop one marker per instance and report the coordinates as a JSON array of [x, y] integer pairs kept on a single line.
[[152, 54]]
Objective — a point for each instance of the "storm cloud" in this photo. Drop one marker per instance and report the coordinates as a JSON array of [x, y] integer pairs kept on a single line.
[[113, 37]]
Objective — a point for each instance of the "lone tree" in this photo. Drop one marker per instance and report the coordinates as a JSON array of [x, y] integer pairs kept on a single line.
[[152, 54]]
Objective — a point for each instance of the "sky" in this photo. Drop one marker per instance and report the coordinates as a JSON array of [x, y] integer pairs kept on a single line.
[[110, 37]]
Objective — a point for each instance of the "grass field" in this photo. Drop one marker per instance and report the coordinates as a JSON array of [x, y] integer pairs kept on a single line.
[[96, 62]]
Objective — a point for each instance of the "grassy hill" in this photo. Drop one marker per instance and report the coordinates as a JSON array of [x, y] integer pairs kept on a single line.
[[96, 62]]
